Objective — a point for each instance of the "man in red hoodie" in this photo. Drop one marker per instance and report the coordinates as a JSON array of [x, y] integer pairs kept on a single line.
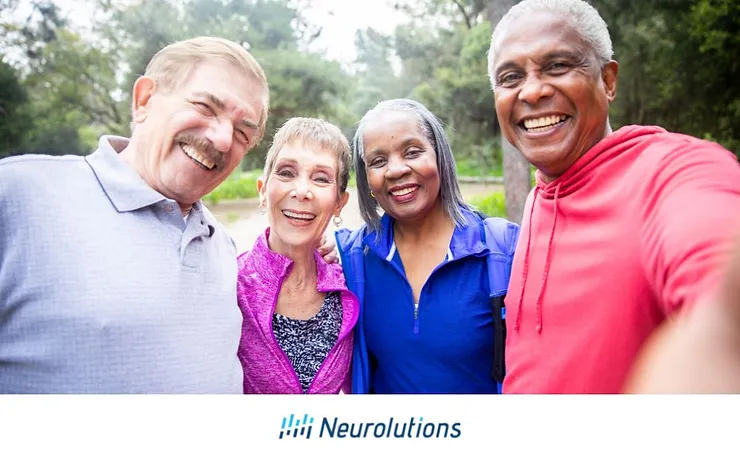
[[623, 228]]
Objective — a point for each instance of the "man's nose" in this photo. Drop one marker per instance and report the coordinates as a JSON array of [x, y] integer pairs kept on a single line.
[[534, 88], [221, 135]]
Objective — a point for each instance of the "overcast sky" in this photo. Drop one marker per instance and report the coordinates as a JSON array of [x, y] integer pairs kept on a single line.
[[339, 18], [338, 34]]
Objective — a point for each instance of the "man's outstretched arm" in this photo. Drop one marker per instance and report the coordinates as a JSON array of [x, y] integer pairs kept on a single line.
[[697, 351]]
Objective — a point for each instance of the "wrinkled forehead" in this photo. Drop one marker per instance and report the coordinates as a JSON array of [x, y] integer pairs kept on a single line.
[[536, 34], [227, 78]]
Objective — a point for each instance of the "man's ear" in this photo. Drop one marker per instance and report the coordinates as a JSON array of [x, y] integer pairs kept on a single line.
[[143, 90], [609, 76]]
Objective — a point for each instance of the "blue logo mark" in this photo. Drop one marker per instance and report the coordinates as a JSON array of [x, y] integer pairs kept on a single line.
[[296, 427]]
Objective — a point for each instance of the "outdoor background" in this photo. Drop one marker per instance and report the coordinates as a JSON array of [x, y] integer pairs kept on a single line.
[[67, 68]]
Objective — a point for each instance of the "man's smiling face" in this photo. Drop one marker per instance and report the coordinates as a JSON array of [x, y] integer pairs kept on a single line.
[[552, 95], [192, 137]]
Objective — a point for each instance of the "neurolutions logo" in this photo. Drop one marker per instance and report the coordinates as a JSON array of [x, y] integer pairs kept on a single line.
[[294, 426], [332, 427]]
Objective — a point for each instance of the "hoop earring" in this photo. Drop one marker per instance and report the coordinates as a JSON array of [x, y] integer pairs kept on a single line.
[[337, 221], [263, 209], [372, 194]]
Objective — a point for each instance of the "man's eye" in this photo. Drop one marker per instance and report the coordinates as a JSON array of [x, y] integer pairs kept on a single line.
[[285, 173], [204, 107], [508, 79], [558, 67]]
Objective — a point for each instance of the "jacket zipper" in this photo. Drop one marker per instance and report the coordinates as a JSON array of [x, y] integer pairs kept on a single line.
[[411, 292], [416, 305], [416, 318]]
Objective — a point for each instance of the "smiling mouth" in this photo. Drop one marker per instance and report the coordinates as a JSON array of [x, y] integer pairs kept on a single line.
[[199, 158], [307, 217], [404, 191], [543, 124]]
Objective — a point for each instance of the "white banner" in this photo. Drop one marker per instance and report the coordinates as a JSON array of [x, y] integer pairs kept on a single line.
[[130, 429]]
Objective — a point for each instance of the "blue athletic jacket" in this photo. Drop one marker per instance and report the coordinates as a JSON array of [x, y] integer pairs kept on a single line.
[[495, 242]]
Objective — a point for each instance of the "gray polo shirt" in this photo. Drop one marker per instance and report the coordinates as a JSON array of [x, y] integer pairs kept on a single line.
[[104, 287]]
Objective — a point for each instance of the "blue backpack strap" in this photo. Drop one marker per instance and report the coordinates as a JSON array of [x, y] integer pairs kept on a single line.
[[501, 237]]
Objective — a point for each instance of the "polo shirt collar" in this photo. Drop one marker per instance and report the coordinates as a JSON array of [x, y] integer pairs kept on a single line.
[[121, 183]]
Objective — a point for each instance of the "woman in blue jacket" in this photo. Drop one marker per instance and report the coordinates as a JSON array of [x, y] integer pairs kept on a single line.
[[427, 271]]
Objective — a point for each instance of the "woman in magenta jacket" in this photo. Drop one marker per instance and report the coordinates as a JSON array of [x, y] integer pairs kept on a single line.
[[298, 314]]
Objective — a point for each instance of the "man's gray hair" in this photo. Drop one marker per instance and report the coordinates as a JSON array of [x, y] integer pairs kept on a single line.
[[580, 14], [433, 130]]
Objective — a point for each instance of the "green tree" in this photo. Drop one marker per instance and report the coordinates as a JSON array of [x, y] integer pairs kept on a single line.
[[49, 71], [678, 65], [14, 121], [376, 80]]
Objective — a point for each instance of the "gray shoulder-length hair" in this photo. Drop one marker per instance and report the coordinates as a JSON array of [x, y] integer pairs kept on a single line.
[[432, 128]]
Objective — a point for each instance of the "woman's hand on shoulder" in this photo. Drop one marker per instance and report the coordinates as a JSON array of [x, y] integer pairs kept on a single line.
[[328, 250]]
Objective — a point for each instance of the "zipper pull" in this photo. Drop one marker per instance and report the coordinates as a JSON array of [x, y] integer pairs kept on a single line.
[[416, 319]]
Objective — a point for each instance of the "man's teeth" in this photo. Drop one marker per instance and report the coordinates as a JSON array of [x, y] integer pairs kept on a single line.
[[406, 191], [543, 124], [304, 216], [193, 153]]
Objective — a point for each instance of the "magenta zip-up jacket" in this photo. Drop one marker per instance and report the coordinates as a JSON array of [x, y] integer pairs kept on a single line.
[[267, 368]]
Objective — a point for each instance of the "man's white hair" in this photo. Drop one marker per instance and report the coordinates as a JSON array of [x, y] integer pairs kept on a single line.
[[583, 17]]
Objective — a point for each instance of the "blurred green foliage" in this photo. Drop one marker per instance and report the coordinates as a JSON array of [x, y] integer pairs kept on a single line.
[[492, 204], [237, 186]]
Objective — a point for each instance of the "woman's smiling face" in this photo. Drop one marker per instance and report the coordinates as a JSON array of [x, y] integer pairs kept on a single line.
[[401, 165]]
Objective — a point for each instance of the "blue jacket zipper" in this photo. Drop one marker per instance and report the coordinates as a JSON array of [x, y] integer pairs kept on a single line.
[[416, 319]]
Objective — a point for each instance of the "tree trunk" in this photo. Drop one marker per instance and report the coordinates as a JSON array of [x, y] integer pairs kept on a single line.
[[517, 181], [517, 178]]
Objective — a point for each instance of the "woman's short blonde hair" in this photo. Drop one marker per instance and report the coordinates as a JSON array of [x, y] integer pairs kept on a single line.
[[314, 134], [171, 66]]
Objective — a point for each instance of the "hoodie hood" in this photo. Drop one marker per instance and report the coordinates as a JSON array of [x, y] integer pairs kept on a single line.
[[604, 151], [572, 180]]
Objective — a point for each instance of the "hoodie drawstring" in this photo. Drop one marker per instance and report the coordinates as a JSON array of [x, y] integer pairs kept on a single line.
[[541, 295], [525, 266]]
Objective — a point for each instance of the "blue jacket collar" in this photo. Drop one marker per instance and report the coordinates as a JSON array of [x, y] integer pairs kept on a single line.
[[466, 239]]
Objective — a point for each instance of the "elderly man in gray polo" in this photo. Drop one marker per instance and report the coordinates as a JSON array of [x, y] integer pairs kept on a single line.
[[114, 277]]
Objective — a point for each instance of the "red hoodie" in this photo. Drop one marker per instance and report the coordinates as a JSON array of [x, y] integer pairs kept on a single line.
[[630, 233]]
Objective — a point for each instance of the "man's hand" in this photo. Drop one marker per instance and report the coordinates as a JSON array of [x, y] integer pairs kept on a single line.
[[698, 351], [328, 250]]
